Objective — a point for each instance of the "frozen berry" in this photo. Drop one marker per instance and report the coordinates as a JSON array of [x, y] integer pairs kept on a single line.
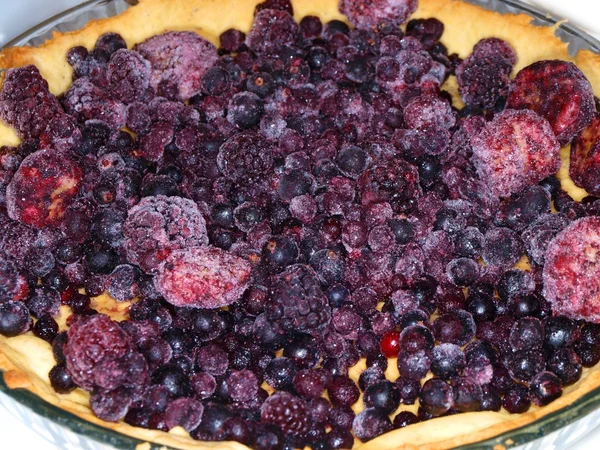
[[287, 412], [447, 361], [382, 395], [429, 111], [565, 364], [158, 225], [584, 166], [544, 388], [86, 101], [436, 397], [128, 76], [557, 91], [13, 284], [369, 14], [245, 110], [111, 406], [14, 318], [370, 423], [184, 412], [514, 150], [272, 30], [60, 380], [245, 157], [517, 399], [501, 247], [571, 273], [43, 188], [178, 60]]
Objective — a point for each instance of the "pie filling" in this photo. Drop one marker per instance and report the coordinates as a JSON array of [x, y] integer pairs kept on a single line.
[[220, 240]]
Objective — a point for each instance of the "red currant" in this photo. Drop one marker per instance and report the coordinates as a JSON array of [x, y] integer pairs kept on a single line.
[[390, 344]]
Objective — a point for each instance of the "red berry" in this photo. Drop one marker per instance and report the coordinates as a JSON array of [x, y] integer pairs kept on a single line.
[[390, 344]]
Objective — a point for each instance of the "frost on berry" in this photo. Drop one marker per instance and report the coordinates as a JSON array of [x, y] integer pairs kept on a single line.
[[97, 350], [557, 91], [585, 158], [484, 76], [86, 101], [370, 13], [61, 134], [158, 225], [13, 284], [245, 157], [538, 235], [26, 104], [514, 150], [42, 188], [204, 277], [272, 30], [572, 271], [128, 76], [287, 412], [152, 144], [429, 111], [410, 72], [178, 60]]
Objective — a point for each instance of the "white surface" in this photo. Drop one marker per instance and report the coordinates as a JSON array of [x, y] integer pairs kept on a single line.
[[19, 15]]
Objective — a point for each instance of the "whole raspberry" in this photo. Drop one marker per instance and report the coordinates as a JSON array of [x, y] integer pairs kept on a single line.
[[86, 101], [299, 304], [128, 76], [272, 30], [42, 188], [585, 158], [13, 285], [287, 412], [572, 271], [409, 72], [245, 157], [395, 182], [26, 103], [370, 13], [94, 351], [178, 60], [557, 91], [205, 277], [516, 149], [484, 76], [158, 225]]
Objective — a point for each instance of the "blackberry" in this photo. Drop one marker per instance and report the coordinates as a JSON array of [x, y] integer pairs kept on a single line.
[[287, 412], [245, 158], [299, 304]]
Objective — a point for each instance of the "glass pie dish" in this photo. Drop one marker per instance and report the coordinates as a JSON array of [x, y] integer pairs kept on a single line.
[[565, 419]]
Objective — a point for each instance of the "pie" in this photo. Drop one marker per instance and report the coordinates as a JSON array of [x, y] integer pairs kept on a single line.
[[156, 237]]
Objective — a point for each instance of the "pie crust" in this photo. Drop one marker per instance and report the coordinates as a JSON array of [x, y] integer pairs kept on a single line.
[[26, 360]]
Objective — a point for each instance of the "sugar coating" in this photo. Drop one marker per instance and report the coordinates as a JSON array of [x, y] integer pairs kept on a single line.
[[26, 102], [43, 188], [178, 60], [204, 277], [585, 158], [158, 225], [370, 13], [516, 149], [85, 101], [572, 271], [557, 91]]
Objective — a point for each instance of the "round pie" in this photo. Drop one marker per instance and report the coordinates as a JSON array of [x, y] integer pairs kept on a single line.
[[218, 209]]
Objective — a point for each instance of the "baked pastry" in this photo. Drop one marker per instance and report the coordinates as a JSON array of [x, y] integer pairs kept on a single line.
[[186, 272]]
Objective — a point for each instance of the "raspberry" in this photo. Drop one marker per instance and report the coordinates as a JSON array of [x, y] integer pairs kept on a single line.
[[205, 277], [128, 76], [557, 91], [96, 346], [429, 111], [272, 30], [281, 5], [514, 150], [396, 182], [13, 285], [86, 101], [410, 72], [370, 13], [42, 188], [26, 103], [572, 271], [158, 225], [585, 158], [178, 60], [245, 157], [484, 76], [287, 412], [299, 305]]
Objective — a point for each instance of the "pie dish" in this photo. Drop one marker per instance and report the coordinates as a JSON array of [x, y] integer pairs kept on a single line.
[[26, 360]]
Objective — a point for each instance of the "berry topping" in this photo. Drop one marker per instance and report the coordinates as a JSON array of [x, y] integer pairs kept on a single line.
[[516, 149], [204, 277], [557, 91], [158, 225], [584, 167], [370, 13], [26, 103], [245, 157], [572, 271], [287, 412], [271, 31], [86, 101], [43, 187], [178, 60], [128, 75]]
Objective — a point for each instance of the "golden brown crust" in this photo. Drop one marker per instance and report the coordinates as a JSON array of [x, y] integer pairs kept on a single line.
[[26, 360]]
